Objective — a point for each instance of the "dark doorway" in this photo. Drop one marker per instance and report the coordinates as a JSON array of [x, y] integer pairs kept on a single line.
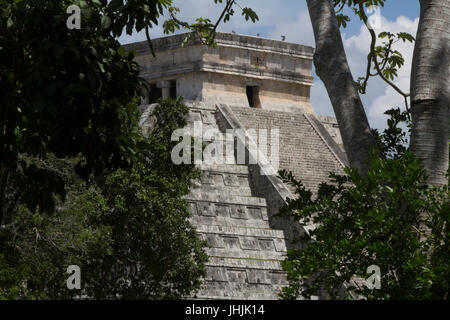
[[173, 89], [154, 94], [253, 97]]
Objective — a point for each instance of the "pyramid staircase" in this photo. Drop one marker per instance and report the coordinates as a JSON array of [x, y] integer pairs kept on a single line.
[[244, 251]]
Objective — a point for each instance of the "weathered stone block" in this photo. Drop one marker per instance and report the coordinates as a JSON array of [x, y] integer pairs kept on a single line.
[[232, 243], [192, 208], [216, 274], [238, 212], [206, 209], [266, 244], [215, 240], [235, 275], [280, 244], [208, 117], [223, 210], [254, 212], [258, 277], [217, 179], [231, 180], [207, 178], [249, 243], [278, 278]]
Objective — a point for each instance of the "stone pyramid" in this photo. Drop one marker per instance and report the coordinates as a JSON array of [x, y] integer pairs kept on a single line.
[[245, 83]]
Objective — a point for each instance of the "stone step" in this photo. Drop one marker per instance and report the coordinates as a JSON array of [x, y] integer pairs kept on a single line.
[[203, 115], [251, 243], [229, 222], [205, 127], [239, 190], [247, 243], [248, 276], [211, 134], [216, 198], [245, 277], [200, 105], [242, 253], [238, 291], [228, 211], [242, 231], [224, 179], [225, 168], [245, 263]]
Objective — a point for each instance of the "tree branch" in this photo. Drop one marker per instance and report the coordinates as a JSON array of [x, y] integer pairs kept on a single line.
[[212, 31], [147, 34], [372, 57]]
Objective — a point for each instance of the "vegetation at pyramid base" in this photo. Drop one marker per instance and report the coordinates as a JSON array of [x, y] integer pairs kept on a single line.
[[128, 231], [391, 219]]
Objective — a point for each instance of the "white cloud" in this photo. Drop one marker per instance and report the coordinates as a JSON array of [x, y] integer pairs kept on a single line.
[[381, 96], [298, 31]]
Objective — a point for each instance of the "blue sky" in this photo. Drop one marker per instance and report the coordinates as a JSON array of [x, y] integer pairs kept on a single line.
[[290, 18]]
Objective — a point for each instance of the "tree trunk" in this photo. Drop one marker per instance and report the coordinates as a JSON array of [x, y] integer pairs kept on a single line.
[[332, 67], [430, 89]]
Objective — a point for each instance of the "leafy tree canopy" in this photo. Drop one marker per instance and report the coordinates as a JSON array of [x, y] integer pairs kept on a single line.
[[129, 233]]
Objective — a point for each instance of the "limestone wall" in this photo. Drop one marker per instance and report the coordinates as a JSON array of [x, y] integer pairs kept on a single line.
[[273, 95], [302, 150], [330, 123], [281, 71]]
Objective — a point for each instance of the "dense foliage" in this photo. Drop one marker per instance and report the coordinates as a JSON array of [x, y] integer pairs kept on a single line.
[[391, 219], [59, 94], [128, 231]]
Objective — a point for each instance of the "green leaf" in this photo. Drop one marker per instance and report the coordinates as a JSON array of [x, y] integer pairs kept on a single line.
[[106, 22], [9, 23], [248, 13]]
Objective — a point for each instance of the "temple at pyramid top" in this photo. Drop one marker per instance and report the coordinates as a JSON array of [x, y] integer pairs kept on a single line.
[[241, 71]]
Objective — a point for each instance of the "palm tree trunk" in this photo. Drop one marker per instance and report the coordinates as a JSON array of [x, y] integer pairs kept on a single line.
[[332, 67], [430, 89]]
